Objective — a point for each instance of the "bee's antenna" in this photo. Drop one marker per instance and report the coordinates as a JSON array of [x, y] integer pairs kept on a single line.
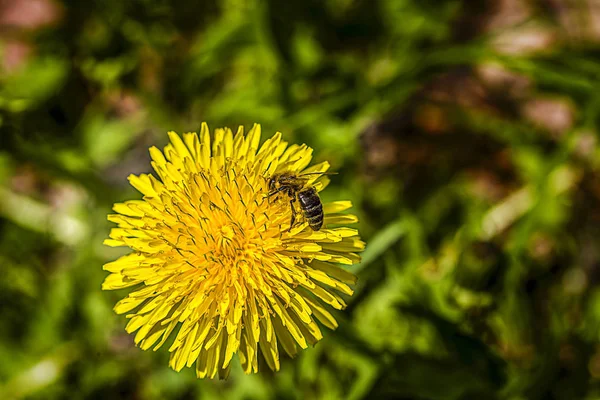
[[319, 173]]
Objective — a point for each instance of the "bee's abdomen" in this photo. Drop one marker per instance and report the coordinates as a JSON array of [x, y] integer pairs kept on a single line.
[[311, 208]]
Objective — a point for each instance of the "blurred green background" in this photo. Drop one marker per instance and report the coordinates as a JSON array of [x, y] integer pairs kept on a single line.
[[465, 132]]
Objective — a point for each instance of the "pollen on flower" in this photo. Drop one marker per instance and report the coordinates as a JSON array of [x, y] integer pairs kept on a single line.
[[215, 261]]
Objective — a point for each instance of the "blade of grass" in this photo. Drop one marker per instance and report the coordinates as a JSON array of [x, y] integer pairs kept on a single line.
[[382, 241]]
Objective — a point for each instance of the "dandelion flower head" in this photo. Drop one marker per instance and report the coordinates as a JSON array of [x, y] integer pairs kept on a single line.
[[215, 265]]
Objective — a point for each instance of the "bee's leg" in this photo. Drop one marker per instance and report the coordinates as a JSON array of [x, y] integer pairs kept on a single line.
[[293, 214], [274, 192]]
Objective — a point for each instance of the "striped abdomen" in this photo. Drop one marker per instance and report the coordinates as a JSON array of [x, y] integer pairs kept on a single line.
[[311, 207]]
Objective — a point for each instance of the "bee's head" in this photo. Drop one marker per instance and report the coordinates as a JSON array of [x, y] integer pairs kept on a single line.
[[284, 179], [273, 183]]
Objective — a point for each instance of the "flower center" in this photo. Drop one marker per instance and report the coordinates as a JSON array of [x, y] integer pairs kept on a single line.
[[227, 243], [228, 217]]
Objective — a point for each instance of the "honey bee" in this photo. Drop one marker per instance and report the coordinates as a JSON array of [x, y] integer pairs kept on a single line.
[[295, 186]]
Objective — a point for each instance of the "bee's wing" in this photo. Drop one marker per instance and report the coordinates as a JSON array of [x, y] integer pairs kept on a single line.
[[321, 184], [310, 179], [317, 169]]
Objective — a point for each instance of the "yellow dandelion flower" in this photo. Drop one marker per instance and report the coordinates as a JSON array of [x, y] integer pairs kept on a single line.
[[216, 257]]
